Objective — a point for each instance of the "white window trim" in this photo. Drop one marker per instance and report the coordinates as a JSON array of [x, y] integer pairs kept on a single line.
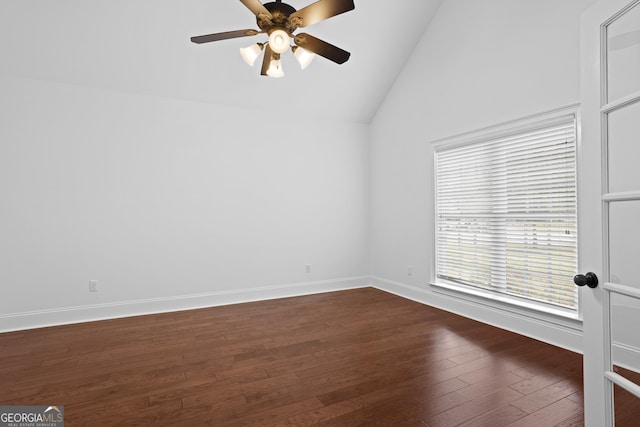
[[520, 306]]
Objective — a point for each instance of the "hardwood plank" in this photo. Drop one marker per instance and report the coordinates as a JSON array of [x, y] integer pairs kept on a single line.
[[447, 402], [498, 377], [277, 414], [575, 421], [551, 415], [538, 382], [499, 417], [321, 415], [478, 406], [546, 396], [393, 412]]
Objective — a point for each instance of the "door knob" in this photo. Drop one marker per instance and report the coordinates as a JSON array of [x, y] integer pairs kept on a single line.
[[589, 279]]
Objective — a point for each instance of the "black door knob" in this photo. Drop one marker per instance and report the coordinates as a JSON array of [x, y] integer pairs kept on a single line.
[[589, 279]]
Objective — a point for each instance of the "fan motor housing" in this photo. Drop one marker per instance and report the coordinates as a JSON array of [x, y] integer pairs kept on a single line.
[[280, 16]]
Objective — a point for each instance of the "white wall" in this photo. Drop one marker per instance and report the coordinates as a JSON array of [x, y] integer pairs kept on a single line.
[[169, 204], [478, 64]]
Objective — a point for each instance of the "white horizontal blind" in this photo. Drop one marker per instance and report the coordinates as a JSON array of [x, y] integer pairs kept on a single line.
[[506, 214]]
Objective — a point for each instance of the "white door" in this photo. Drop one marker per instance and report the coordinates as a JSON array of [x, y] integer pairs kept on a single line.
[[610, 201]]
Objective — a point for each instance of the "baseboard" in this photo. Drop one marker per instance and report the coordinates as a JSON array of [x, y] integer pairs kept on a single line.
[[626, 356], [567, 335], [88, 313]]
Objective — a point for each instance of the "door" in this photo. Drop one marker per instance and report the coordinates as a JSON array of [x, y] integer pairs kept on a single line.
[[609, 175]]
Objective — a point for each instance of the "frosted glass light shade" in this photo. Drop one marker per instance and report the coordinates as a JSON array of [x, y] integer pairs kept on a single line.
[[251, 53], [304, 57], [275, 69], [279, 41]]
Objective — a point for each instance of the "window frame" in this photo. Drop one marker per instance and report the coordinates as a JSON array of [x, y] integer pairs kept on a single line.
[[489, 298]]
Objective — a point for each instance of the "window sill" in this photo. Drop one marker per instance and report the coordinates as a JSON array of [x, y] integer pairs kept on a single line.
[[556, 316]]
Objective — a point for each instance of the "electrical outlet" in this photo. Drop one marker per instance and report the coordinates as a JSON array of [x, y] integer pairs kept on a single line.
[[410, 270], [307, 268], [93, 286]]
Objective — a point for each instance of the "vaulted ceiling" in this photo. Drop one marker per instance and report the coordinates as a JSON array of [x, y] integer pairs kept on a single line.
[[143, 46]]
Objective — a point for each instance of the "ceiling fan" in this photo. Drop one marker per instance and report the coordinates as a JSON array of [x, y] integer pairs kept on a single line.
[[279, 21]]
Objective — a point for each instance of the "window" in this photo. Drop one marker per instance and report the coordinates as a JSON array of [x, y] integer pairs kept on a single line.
[[506, 223]]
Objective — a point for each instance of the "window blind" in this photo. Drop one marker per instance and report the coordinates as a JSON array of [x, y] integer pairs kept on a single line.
[[506, 213]]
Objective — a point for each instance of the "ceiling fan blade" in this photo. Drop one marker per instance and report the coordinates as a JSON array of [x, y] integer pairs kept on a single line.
[[266, 61], [321, 10], [256, 7], [322, 48], [223, 36]]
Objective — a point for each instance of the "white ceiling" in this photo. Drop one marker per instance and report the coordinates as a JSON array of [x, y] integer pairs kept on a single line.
[[143, 46]]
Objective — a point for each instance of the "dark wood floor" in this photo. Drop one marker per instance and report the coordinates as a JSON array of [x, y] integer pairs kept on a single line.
[[359, 357]]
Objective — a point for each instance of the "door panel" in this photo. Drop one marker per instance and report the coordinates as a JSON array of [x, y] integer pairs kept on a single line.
[[623, 54], [609, 205], [625, 315], [626, 411], [624, 148], [624, 243]]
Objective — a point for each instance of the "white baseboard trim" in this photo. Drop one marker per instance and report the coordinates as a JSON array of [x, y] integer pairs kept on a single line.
[[567, 336], [626, 356], [87, 313]]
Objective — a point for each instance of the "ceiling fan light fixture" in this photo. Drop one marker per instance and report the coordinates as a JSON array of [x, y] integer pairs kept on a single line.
[[251, 53], [279, 21], [303, 56], [279, 41], [275, 67]]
